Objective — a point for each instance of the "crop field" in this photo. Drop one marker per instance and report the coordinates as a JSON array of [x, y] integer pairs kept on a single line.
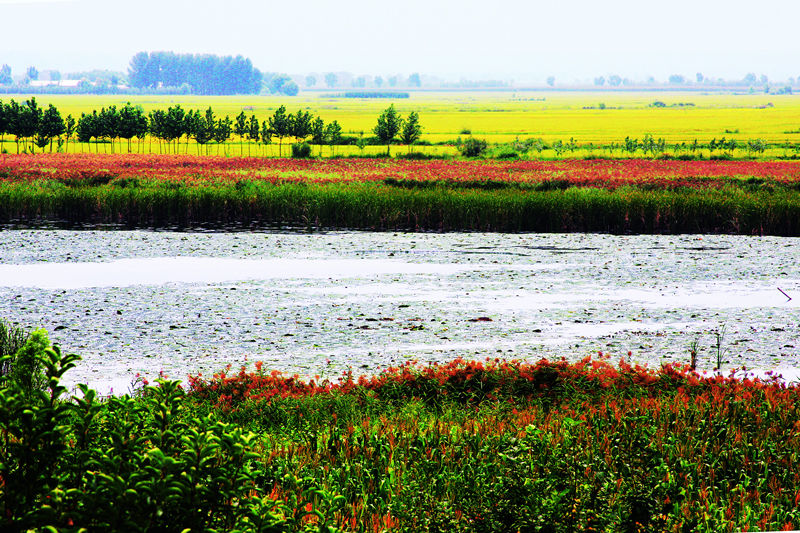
[[500, 117]]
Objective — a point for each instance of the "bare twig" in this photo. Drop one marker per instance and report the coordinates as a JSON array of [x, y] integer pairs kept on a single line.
[[787, 296]]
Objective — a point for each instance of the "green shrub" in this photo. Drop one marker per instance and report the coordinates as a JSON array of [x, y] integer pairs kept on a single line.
[[506, 152], [472, 147], [127, 464], [301, 150]]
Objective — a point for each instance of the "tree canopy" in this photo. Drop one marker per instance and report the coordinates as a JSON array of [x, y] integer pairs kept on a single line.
[[203, 73], [389, 124]]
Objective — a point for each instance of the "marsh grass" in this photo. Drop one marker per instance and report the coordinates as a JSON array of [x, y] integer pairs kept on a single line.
[[377, 206], [12, 338]]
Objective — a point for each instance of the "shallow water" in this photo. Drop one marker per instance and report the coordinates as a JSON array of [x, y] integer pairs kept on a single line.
[[142, 302]]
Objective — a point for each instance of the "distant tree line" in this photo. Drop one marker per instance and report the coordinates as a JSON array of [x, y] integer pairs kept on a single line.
[[204, 73], [394, 95]]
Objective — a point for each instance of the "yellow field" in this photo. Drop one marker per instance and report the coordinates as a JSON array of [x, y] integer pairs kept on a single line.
[[504, 116]]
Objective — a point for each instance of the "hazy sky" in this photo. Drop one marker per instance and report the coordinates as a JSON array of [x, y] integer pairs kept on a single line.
[[509, 39]]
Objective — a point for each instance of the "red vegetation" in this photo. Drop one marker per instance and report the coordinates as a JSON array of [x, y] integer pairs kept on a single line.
[[474, 381], [188, 169]]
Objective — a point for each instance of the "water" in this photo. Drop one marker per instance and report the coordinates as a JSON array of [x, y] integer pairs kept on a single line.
[[316, 304]]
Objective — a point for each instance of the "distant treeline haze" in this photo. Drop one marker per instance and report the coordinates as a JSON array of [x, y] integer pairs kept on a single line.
[[204, 73]]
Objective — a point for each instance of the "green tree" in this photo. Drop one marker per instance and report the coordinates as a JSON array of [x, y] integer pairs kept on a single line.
[[389, 124], [253, 132], [132, 123], [280, 126], [196, 127], [109, 124], [88, 127], [3, 124], [11, 112], [333, 135], [204, 127], [311, 80], [411, 130], [414, 80], [156, 125], [25, 120], [318, 133], [300, 125], [50, 126], [240, 128], [175, 124], [266, 134], [222, 131], [69, 129]]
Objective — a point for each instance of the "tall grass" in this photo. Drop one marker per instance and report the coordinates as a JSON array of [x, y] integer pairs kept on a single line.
[[378, 206], [12, 338]]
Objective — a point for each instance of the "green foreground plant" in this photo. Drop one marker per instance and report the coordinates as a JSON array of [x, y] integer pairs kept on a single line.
[[464, 446]]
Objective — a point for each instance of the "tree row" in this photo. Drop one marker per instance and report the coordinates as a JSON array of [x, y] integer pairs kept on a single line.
[[32, 127]]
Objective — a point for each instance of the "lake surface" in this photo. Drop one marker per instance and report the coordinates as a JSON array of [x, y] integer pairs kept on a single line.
[[317, 304]]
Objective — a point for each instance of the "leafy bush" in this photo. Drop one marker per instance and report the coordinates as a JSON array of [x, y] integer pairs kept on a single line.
[[505, 152], [301, 150], [472, 147], [128, 464]]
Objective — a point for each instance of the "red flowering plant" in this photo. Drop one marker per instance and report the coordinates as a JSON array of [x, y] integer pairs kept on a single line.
[[472, 382], [94, 169]]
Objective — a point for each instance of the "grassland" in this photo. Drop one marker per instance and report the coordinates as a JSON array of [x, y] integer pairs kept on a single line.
[[505, 116]]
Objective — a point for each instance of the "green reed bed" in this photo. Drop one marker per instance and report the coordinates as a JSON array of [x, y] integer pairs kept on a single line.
[[464, 446], [382, 206]]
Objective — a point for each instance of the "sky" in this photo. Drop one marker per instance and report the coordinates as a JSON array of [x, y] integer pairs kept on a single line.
[[525, 40]]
